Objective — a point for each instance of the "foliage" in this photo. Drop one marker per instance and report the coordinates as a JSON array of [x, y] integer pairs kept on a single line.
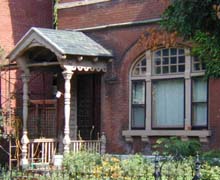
[[187, 17], [81, 161], [152, 38], [211, 154], [210, 172], [199, 22], [176, 147], [55, 14], [109, 167], [211, 157]]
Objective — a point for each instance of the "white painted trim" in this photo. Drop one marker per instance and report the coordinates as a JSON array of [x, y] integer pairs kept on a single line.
[[84, 65], [148, 89], [130, 86], [187, 90], [116, 25], [34, 38], [193, 133], [78, 3]]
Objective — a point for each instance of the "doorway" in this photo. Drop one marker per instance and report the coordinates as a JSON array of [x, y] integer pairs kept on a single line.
[[88, 106]]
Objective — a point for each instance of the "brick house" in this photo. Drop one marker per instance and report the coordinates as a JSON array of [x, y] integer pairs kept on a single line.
[[111, 83], [16, 18]]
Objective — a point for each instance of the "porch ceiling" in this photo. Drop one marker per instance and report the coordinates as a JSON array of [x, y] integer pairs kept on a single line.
[[61, 42]]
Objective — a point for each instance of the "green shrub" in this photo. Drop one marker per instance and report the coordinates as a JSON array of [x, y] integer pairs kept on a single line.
[[176, 147], [81, 162]]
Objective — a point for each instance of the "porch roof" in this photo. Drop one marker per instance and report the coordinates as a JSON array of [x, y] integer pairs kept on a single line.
[[61, 42]]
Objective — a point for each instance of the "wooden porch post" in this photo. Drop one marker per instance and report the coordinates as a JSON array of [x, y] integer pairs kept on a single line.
[[67, 74], [24, 139]]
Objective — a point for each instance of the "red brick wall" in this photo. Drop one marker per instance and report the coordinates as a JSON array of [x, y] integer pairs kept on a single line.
[[214, 112], [109, 13], [123, 43], [115, 94], [17, 17]]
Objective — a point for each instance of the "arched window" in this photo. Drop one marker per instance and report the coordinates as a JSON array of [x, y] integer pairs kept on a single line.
[[168, 91]]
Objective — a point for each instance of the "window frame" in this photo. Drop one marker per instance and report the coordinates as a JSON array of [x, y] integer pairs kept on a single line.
[[150, 76], [207, 104], [138, 105], [184, 104]]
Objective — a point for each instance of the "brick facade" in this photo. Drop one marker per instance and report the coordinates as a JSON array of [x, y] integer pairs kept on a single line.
[[16, 18], [115, 31], [115, 24]]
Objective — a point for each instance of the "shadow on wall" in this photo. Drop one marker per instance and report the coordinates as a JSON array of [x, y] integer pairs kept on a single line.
[[26, 14]]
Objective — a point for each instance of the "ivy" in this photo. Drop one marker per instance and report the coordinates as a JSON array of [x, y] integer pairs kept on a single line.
[[55, 14], [199, 22]]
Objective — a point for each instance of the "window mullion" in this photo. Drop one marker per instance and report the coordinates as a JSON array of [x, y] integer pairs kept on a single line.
[[148, 89], [188, 90]]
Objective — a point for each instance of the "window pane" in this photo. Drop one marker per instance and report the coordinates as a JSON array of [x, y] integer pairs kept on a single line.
[[138, 92], [199, 90], [165, 69], [181, 52], [158, 70], [199, 101], [173, 60], [168, 103], [182, 59], [140, 68], [157, 53], [173, 51], [165, 52], [181, 68], [199, 113], [167, 60], [138, 117], [157, 61], [173, 69]]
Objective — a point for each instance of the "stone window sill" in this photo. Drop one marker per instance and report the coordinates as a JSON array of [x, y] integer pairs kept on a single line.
[[184, 134]]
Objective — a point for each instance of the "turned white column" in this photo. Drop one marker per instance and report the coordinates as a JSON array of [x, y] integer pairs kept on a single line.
[[24, 139], [67, 74]]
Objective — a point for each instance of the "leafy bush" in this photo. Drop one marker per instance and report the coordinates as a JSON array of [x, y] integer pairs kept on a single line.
[[176, 147], [81, 162], [87, 166]]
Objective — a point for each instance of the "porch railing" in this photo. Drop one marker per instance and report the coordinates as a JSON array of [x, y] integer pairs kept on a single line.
[[98, 146], [88, 145], [41, 150]]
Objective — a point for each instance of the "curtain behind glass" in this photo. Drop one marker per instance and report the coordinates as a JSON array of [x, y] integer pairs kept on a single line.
[[199, 101], [138, 104], [168, 103]]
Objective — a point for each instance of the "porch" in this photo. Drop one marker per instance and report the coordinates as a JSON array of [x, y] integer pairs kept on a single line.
[[71, 66]]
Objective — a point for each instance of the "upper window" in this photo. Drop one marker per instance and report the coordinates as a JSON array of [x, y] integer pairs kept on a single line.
[[197, 65], [140, 68], [170, 99], [168, 61]]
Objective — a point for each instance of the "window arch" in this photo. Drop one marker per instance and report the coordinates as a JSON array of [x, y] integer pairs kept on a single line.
[[168, 91]]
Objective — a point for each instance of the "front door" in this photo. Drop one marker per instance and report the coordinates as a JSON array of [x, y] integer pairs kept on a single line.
[[88, 106]]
